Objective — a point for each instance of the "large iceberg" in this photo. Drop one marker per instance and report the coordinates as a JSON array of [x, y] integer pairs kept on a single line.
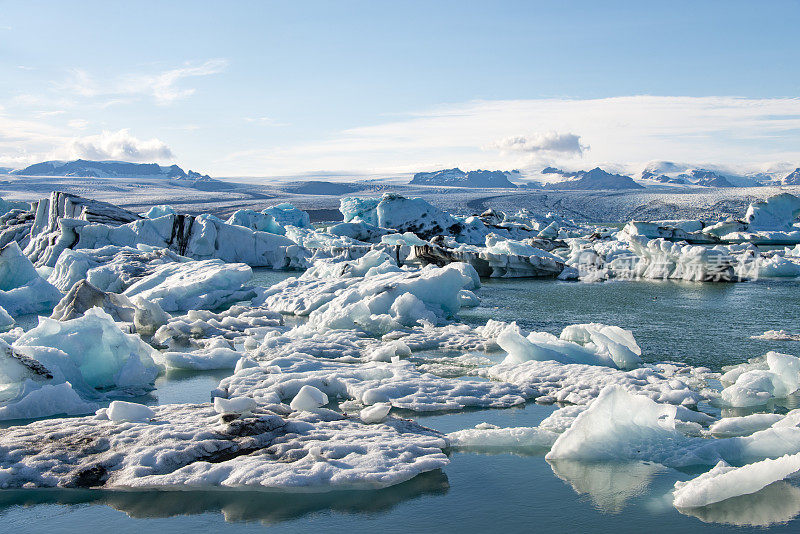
[[59, 225], [411, 215]]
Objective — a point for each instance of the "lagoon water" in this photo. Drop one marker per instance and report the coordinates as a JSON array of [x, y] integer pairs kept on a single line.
[[701, 324]]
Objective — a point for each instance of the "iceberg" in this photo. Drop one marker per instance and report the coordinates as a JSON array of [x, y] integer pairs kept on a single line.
[[61, 225], [90, 352], [411, 215], [22, 290]]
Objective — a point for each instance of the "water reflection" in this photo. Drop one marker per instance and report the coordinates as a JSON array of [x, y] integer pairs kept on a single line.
[[777, 503], [235, 505], [608, 485]]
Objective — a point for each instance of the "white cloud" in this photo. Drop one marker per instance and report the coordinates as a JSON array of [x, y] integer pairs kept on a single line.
[[548, 143], [630, 129], [163, 87], [120, 145]]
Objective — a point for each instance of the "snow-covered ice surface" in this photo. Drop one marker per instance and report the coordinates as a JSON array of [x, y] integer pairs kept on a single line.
[[389, 365]]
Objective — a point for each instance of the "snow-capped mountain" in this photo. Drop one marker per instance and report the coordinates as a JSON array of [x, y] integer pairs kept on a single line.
[[707, 176], [596, 178], [457, 177], [793, 178], [108, 169]]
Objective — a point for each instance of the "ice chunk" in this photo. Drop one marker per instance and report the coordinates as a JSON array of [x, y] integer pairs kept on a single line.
[[148, 317], [743, 426], [617, 426], [468, 299], [22, 290], [287, 215], [724, 482], [411, 215], [206, 284], [234, 406], [776, 213], [374, 396], [592, 344], [159, 211], [92, 352], [757, 386], [262, 222], [245, 363], [407, 238], [376, 413], [617, 342], [45, 401], [488, 437], [6, 321], [309, 399], [387, 351], [202, 359], [199, 237], [129, 412], [84, 296]]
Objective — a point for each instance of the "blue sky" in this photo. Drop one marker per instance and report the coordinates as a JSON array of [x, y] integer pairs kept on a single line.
[[263, 89]]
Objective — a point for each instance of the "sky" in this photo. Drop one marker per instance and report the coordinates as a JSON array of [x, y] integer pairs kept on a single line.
[[374, 88]]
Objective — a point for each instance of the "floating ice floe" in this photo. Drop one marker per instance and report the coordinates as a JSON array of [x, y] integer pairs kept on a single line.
[[385, 300], [743, 426], [198, 327], [725, 482], [777, 335], [756, 382], [486, 437], [592, 344], [582, 383], [160, 276], [399, 382], [257, 221], [620, 426], [188, 445], [206, 284]]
